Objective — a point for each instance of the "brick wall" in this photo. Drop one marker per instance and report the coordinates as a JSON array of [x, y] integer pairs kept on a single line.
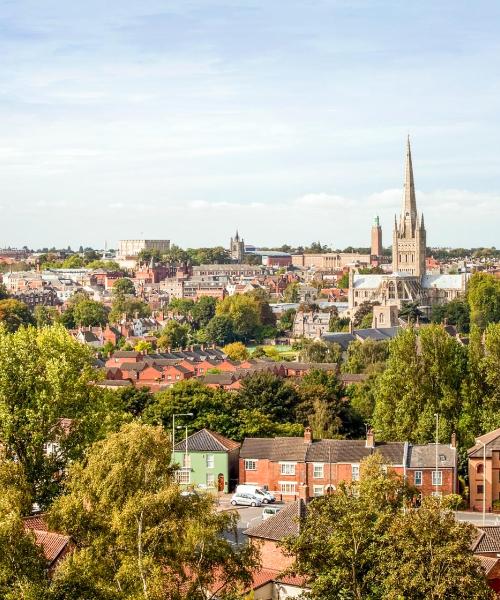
[[427, 488]]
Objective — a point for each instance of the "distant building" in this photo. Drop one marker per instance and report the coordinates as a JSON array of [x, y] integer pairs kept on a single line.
[[376, 246], [237, 248], [331, 261], [128, 250], [483, 472], [408, 281]]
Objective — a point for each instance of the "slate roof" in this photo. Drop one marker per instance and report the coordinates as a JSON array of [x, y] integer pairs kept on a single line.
[[492, 441], [274, 449], [354, 451], [342, 339], [131, 366], [424, 457], [126, 354], [283, 524], [206, 441], [225, 378], [488, 540]]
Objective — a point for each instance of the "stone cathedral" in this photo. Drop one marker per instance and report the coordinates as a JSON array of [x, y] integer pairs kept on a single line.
[[408, 281]]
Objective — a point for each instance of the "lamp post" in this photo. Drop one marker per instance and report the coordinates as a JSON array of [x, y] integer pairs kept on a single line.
[[484, 479], [436, 491], [173, 428]]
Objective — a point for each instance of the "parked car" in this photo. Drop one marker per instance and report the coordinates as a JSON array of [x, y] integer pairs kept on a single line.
[[265, 496], [270, 511], [246, 499]]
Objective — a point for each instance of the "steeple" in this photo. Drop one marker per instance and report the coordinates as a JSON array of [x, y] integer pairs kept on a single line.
[[409, 214]]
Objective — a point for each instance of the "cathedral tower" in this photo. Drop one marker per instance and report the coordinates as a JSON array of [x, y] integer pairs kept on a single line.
[[409, 239]]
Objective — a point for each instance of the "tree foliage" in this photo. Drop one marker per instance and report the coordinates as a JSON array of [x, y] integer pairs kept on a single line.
[[236, 351], [14, 314], [483, 295], [174, 335]]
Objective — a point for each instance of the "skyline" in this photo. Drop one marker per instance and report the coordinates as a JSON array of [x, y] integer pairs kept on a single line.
[[185, 121]]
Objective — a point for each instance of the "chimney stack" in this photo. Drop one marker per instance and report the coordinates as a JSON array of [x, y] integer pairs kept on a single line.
[[308, 438], [370, 438], [453, 443]]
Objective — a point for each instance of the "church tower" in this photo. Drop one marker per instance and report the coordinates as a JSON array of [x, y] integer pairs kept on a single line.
[[376, 249], [409, 238], [237, 248]]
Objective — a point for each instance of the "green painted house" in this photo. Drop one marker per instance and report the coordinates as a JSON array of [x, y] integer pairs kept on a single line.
[[207, 461]]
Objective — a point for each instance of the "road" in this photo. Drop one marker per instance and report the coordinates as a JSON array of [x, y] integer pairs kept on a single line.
[[476, 518], [248, 517]]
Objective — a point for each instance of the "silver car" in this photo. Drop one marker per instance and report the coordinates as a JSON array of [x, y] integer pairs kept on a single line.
[[245, 499]]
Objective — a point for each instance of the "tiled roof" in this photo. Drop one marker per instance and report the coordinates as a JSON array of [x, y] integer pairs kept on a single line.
[[131, 366], [492, 441], [52, 543], [425, 456], [36, 522], [126, 354], [489, 541], [275, 449], [283, 524], [224, 378], [487, 562], [354, 451], [206, 441]]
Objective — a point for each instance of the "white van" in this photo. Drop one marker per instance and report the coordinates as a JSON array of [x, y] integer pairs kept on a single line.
[[266, 496]]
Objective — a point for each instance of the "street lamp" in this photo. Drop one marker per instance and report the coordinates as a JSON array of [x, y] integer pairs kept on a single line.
[[484, 479], [186, 444], [437, 451], [173, 428]]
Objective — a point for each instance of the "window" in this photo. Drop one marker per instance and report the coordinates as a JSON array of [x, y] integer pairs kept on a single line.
[[418, 477], [287, 468], [317, 490], [442, 457], [287, 487], [183, 476], [210, 461], [250, 464], [480, 468], [318, 471], [480, 488], [437, 478], [186, 461], [210, 480], [355, 472]]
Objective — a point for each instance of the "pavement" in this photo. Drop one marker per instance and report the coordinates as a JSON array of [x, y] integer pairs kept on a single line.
[[476, 518]]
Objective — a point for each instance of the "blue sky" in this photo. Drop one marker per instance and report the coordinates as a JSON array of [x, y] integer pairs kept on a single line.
[[187, 119]]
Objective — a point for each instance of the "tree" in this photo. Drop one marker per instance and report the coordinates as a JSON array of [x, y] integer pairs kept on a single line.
[[220, 330], [410, 312], [90, 313], [203, 311], [427, 556], [136, 537], [363, 357], [287, 318], [3, 292], [343, 282], [44, 375], [268, 393], [129, 308], [244, 311], [136, 400], [181, 306], [123, 287], [338, 547], [364, 313], [291, 293], [456, 312], [320, 352], [143, 346], [483, 295], [14, 314], [173, 335], [236, 351], [424, 376], [44, 315]]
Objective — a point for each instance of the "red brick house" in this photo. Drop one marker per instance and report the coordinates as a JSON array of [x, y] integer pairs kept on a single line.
[[300, 467], [483, 472], [123, 356]]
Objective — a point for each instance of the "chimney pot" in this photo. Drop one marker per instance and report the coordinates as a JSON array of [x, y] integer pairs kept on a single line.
[[370, 438], [307, 435], [453, 443]]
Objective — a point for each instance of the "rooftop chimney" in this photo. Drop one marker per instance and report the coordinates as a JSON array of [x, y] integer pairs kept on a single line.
[[370, 438], [453, 443], [308, 438]]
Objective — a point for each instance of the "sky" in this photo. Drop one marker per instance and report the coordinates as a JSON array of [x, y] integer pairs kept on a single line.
[[187, 119]]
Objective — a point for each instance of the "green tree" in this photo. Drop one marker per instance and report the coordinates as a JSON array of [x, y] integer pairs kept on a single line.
[[123, 287], [136, 400], [338, 547], [363, 357], [3, 292], [456, 312], [181, 306], [427, 556], [220, 330], [203, 311], [143, 346], [14, 314], [44, 375], [44, 315], [424, 376], [364, 314], [320, 352], [483, 295], [90, 313], [174, 335], [129, 308], [244, 311], [272, 395], [287, 318], [107, 265], [291, 293], [236, 351], [343, 282], [410, 312], [136, 537]]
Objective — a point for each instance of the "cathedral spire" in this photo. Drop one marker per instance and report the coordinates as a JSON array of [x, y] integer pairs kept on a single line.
[[409, 202]]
